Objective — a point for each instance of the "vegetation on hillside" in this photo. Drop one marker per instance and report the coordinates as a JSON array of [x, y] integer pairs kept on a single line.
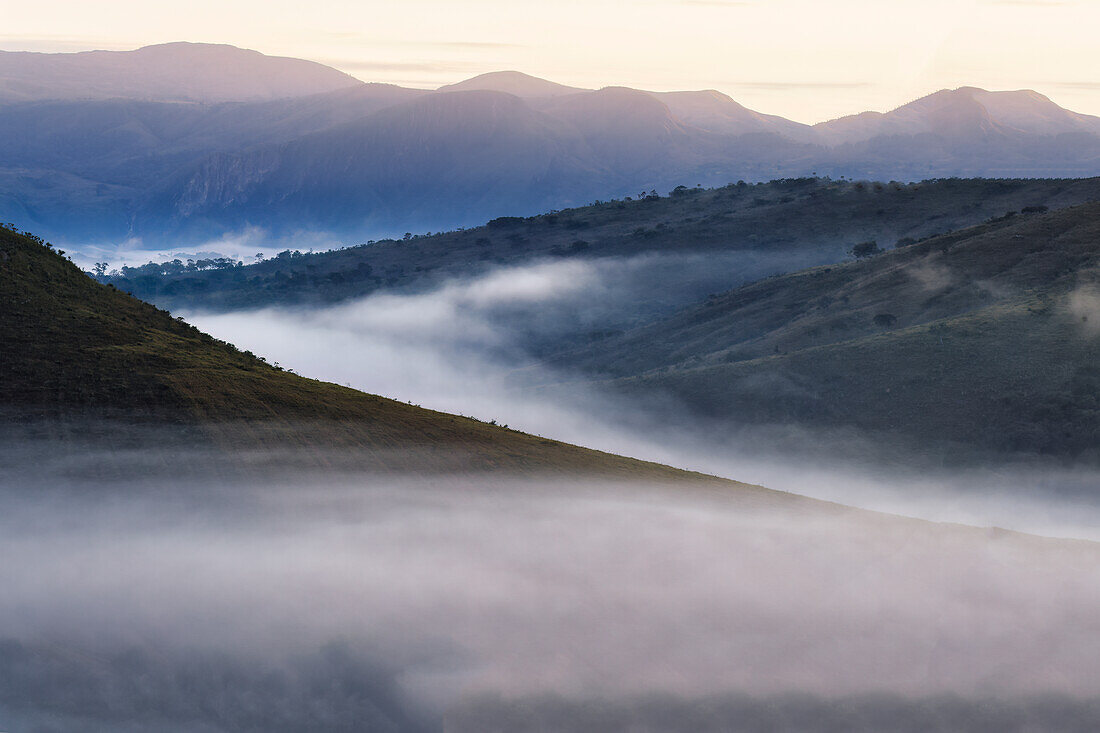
[[798, 222], [76, 349], [987, 338]]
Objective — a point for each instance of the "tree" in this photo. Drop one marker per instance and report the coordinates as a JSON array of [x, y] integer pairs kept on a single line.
[[100, 269], [863, 250]]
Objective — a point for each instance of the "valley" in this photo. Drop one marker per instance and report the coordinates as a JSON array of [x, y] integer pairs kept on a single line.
[[476, 402]]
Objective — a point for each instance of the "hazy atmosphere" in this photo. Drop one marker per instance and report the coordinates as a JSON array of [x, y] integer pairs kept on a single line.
[[838, 58], [366, 602], [675, 366], [461, 348]]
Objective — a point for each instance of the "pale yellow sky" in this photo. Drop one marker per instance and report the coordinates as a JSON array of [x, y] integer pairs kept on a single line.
[[808, 60]]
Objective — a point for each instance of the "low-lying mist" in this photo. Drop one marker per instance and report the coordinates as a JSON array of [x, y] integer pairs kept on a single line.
[[470, 346], [308, 601], [241, 245]]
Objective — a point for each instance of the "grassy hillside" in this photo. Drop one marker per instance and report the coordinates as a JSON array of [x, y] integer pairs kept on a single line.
[[988, 338], [795, 223], [75, 349]]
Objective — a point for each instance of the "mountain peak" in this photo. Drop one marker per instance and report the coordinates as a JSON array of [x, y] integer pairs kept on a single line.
[[168, 72], [513, 82], [714, 111], [965, 110]]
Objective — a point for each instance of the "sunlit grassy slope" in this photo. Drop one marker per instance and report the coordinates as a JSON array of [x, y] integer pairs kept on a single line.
[[74, 349], [987, 338]]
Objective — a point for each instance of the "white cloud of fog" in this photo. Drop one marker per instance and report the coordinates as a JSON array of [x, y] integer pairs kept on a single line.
[[240, 245], [1084, 307], [456, 348], [932, 275], [120, 607]]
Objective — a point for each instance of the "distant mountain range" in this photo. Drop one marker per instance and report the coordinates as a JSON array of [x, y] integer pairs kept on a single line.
[[181, 142], [170, 72]]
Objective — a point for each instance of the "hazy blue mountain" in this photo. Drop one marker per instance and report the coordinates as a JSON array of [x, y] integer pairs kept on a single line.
[[440, 159], [965, 132], [186, 142], [966, 112], [196, 72], [716, 112], [521, 85], [82, 169]]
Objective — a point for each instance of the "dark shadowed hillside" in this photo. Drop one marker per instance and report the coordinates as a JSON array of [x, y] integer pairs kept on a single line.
[[986, 339], [75, 350], [710, 240]]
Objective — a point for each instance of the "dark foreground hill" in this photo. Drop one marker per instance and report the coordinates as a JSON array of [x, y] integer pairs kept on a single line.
[[76, 353], [987, 338]]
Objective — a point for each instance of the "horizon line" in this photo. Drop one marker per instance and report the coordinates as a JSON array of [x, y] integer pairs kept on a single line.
[[774, 85]]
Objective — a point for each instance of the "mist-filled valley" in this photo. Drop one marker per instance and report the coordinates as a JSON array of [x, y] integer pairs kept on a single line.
[[513, 406], [168, 598], [467, 347], [200, 539]]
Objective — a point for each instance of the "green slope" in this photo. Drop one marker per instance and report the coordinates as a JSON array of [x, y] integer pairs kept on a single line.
[[72, 349], [987, 338]]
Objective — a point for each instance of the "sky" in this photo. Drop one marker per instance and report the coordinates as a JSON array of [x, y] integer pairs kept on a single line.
[[808, 60]]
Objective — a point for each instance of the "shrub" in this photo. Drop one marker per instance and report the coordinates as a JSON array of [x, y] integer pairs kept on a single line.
[[864, 250]]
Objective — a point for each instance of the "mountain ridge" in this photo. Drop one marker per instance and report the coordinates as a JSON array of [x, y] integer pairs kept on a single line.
[[964, 110], [799, 222], [103, 170], [177, 71], [513, 82]]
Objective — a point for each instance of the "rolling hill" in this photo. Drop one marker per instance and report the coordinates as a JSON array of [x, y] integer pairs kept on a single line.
[[84, 357], [709, 241], [984, 339]]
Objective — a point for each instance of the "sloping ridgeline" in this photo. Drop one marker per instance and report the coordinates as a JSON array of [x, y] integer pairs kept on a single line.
[[985, 339], [776, 227], [77, 353]]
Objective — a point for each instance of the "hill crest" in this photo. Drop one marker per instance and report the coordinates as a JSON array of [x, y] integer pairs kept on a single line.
[[78, 350]]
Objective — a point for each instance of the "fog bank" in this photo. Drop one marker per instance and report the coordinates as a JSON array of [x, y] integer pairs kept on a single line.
[[364, 602], [466, 347]]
